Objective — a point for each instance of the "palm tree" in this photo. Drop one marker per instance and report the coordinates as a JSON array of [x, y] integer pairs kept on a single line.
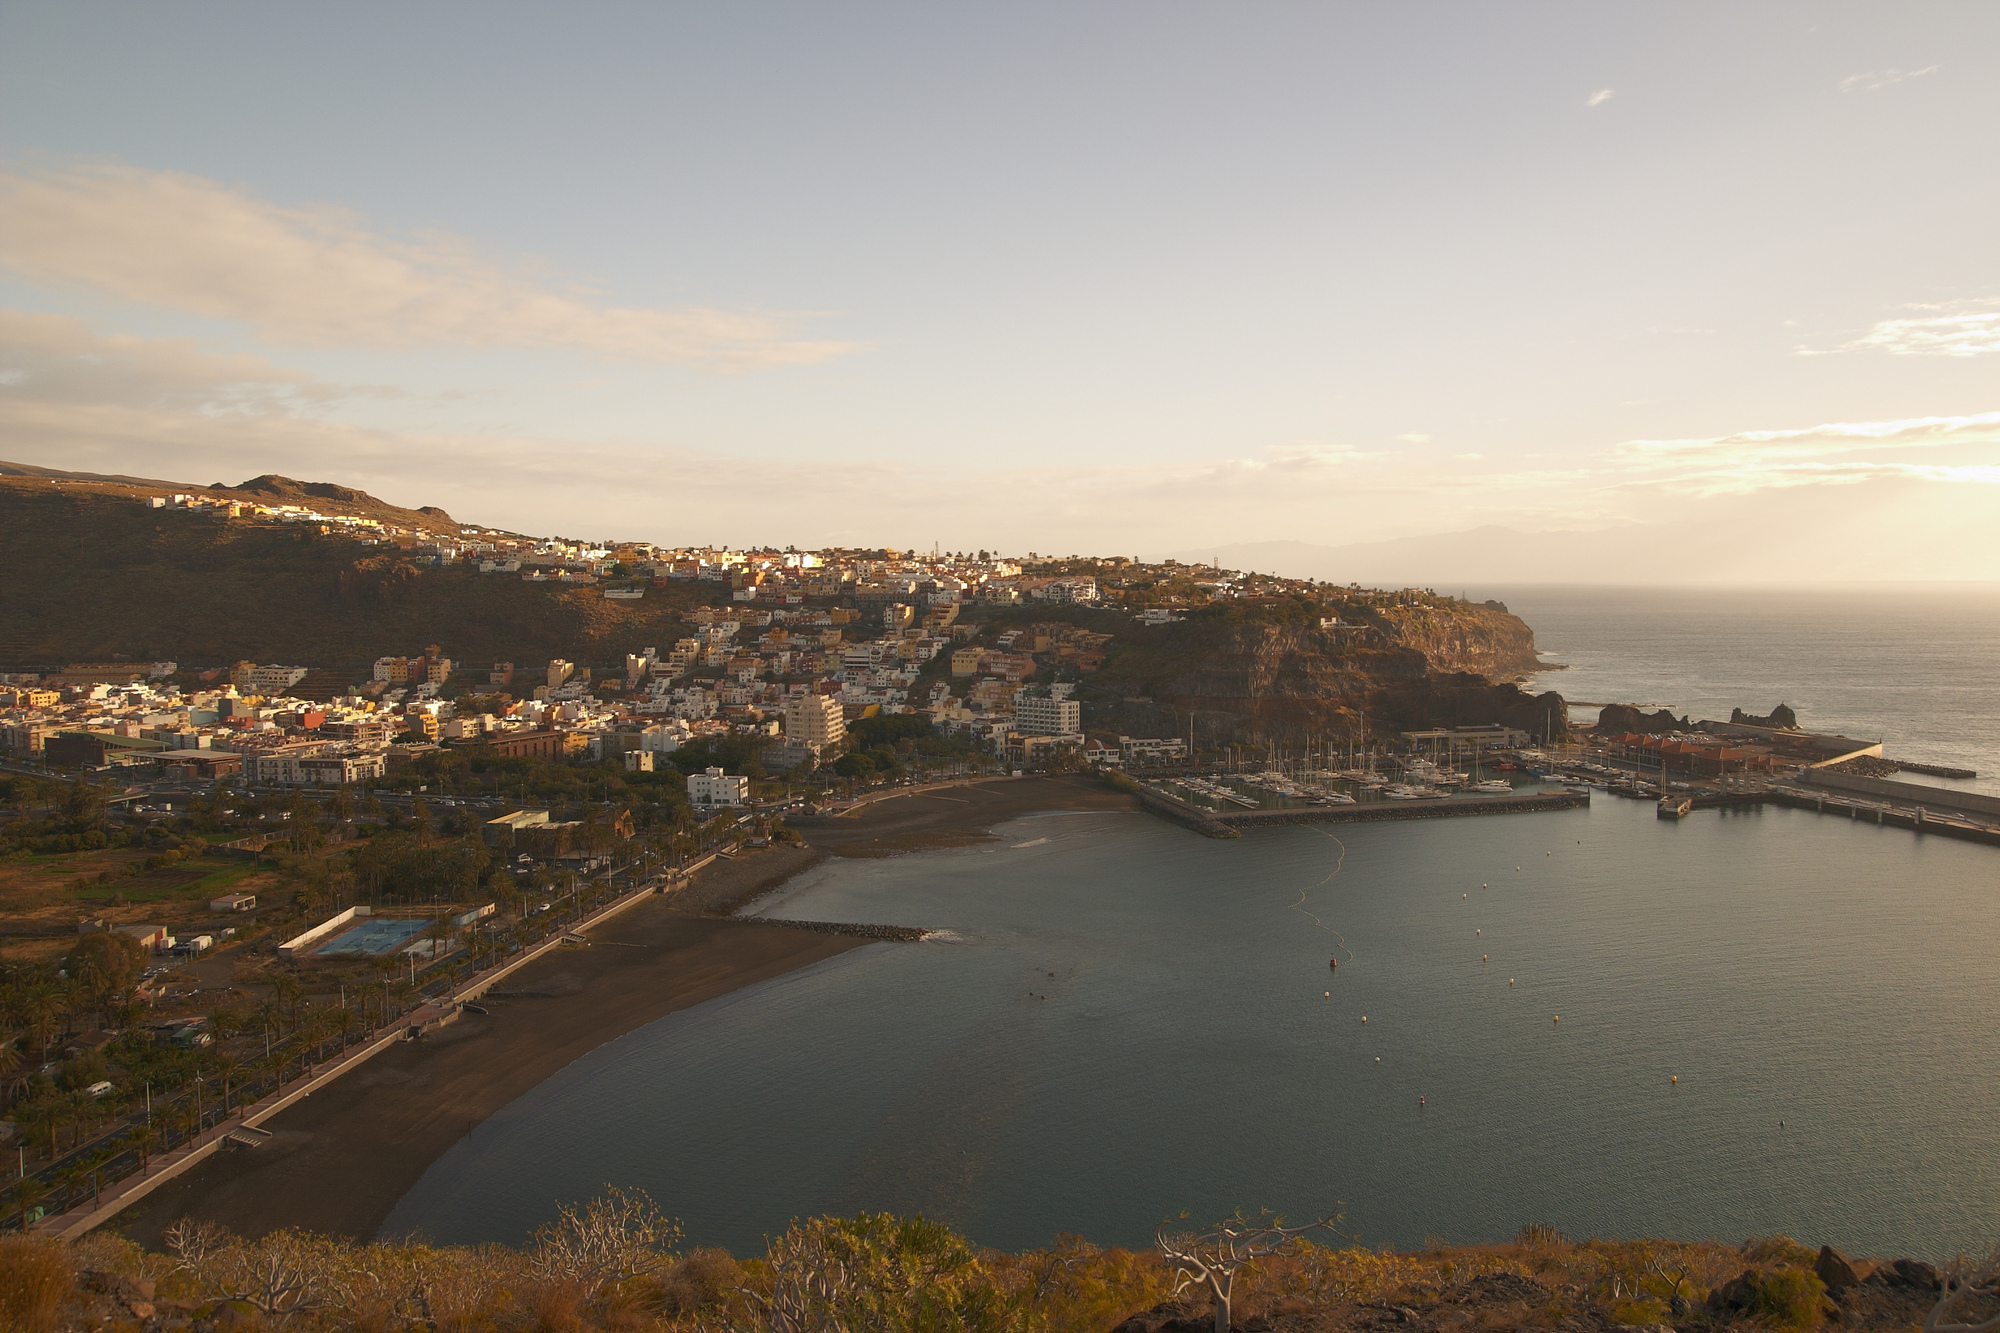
[[269, 1016], [227, 1068], [94, 1166], [289, 989], [12, 1065], [40, 1116], [67, 1178], [81, 1109], [28, 1192], [142, 1138]]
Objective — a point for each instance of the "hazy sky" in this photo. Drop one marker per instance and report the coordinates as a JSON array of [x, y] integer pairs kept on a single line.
[[1077, 277]]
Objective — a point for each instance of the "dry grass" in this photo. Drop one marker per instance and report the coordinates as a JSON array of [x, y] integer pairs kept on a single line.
[[35, 1278]]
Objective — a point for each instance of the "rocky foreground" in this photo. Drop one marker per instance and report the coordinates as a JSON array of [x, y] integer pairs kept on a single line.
[[1835, 1292], [614, 1264]]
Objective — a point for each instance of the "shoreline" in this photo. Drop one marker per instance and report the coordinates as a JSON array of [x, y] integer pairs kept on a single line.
[[340, 1160]]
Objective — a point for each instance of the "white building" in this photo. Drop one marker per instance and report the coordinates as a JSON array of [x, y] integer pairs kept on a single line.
[[712, 786], [815, 719], [1047, 717], [274, 679]]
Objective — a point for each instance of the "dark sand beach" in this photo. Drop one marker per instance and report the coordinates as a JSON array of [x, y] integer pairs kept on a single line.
[[338, 1161]]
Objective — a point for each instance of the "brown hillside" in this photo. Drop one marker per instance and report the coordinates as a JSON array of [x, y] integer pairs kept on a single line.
[[94, 575]]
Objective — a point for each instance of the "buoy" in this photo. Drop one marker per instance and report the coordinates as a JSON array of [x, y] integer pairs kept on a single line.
[[1482, 886], [1329, 995], [1465, 895], [1677, 1078], [1479, 932], [1364, 1018], [1482, 958], [1559, 1018], [1378, 1059], [1420, 1102]]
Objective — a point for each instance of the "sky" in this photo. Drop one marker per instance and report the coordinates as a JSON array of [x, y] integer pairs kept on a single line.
[[1115, 278]]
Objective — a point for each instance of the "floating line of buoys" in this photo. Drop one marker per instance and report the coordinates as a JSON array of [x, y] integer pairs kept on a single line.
[[1300, 905]]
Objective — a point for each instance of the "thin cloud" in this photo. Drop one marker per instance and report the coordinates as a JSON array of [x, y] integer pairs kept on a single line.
[[58, 359], [323, 277], [165, 407], [1600, 97], [1875, 80], [1830, 438], [1973, 331]]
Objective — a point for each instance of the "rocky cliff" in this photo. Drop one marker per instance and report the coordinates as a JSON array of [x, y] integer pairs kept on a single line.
[[1484, 640], [1246, 682]]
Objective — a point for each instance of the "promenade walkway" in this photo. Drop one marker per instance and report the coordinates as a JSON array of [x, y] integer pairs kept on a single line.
[[108, 1203]]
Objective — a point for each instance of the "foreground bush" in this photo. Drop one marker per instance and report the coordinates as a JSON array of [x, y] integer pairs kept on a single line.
[[613, 1264]]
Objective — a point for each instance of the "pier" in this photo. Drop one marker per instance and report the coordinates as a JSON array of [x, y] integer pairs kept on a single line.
[[1229, 824]]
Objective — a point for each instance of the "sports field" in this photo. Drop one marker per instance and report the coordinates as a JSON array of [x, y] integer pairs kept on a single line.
[[374, 937]]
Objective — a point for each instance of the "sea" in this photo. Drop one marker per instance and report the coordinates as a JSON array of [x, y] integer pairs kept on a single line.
[[1728, 1026]]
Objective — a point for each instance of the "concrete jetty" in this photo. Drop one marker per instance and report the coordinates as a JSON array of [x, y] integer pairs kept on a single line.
[[1228, 824]]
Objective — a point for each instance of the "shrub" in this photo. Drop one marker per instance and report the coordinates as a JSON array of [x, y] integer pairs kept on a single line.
[[1778, 1250], [1639, 1312], [34, 1279], [1787, 1298]]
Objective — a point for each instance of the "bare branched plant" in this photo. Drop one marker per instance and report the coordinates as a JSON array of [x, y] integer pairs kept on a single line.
[[609, 1240], [1214, 1256], [284, 1274], [1966, 1280], [191, 1243], [811, 1282]]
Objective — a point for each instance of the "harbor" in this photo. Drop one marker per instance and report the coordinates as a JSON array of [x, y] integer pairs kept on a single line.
[[1706, 766]]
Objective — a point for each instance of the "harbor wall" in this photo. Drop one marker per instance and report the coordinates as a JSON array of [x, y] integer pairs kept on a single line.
[[1383, 811], [1840, 807], [1905, 793]]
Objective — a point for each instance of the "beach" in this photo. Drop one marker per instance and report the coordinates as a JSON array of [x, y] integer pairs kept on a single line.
[[338, 1161]]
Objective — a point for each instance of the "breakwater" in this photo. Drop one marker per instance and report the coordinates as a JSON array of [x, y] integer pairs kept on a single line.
[[1384, 811], [1937, 770], [866, 932], [1176, 811], [1917, 818], [1228, 824]]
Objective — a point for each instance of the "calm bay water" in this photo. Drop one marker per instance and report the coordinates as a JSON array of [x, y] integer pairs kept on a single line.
[[1916, 667], [1834, 977], [1124, 1020]]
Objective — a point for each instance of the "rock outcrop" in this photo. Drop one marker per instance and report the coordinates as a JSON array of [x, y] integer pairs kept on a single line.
[[1780, 718], [1624, 717]]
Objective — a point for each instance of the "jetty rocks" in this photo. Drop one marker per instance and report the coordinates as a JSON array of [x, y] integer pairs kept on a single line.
[[1624, 717], [865, 931], [1780, 718]]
